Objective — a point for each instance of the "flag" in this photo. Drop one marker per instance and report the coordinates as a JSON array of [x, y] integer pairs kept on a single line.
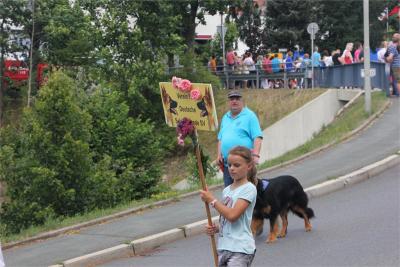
[[394, 12], [383, 14]]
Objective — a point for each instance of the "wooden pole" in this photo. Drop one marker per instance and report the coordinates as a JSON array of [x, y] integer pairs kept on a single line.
[[31, 55], [204, 186]]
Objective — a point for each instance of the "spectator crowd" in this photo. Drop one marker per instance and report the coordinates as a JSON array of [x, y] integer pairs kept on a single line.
[[297, 61]]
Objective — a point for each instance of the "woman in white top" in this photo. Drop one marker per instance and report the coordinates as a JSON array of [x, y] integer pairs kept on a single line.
[[249, 62], [327, 59], [382, 51]]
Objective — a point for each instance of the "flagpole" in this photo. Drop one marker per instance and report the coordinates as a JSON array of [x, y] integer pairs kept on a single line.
[[398, 14], [387, 23]]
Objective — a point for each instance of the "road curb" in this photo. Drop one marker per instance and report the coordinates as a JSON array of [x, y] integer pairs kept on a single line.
[[353, 177], [196, 228], [109, 254], [151, 242]]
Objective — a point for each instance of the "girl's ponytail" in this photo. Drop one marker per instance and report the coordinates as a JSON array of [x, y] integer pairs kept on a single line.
[[252, 174]]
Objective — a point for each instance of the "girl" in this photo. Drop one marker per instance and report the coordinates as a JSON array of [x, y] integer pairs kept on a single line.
[[236, 246]]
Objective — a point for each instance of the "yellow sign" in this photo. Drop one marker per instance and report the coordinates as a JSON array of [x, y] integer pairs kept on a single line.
[[178, 105]]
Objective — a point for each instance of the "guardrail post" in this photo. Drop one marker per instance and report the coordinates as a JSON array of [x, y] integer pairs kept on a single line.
[[305, 79], [226, 71], [258, 79], [285, 80]]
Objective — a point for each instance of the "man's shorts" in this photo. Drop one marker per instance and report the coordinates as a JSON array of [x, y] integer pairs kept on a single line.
[[396, 73]]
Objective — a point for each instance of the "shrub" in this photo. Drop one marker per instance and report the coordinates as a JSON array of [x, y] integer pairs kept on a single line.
[[72, 153], [47, 164], [127, 149]]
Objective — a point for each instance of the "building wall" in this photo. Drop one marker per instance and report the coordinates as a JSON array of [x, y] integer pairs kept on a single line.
[[299, 127]]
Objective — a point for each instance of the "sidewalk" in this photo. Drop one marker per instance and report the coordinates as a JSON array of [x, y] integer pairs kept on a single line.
[[376, 142]]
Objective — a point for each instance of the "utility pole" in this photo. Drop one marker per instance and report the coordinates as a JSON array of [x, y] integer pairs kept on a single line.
[[222, 38], [367, 63], [31, 55]]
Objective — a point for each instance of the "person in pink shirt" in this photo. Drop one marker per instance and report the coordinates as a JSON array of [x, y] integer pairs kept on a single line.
[[358, 51], [346, 57], [266, 64], [230, 62], [230, 58]]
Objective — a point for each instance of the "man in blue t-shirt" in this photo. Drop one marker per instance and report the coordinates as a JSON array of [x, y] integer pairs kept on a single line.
[[289, 62], [276, 64], [239, 127], [393, 57], [316, 58]]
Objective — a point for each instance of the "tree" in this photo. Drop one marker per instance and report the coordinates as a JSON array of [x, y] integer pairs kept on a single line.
[[286, 23], [132, 40], [65, 36], [191, 13], [249, 24], [336, 18]]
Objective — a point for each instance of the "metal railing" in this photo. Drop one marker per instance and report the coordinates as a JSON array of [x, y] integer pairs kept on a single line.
[[324, 77], [350, 76]]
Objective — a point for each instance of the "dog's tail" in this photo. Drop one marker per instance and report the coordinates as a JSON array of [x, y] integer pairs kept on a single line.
[[300, 211], [310, 213]]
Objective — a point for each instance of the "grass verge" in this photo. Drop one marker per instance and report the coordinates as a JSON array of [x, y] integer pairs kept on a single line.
[[348, 121]]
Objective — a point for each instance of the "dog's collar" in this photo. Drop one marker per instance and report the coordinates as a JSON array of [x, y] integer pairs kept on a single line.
[[264, 184]]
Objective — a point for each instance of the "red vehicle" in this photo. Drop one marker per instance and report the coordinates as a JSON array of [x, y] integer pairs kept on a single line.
[[18, 72], [42, 73]]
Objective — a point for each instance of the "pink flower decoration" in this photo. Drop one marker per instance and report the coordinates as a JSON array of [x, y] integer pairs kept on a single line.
[[181, 141], [195, 94], [176, 82], [186, 128], [185, 85]]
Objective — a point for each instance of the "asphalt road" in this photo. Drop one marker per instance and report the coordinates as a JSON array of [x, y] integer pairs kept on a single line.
[[381, 139], [357, 226]]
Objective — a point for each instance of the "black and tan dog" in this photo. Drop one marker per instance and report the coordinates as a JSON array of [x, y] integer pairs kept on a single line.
[[275, 197]]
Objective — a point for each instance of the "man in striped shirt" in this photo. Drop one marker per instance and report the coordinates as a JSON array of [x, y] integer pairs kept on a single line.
[[393, 58]]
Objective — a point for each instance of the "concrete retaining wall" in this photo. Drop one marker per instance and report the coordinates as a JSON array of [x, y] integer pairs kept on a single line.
[[299, 126]]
